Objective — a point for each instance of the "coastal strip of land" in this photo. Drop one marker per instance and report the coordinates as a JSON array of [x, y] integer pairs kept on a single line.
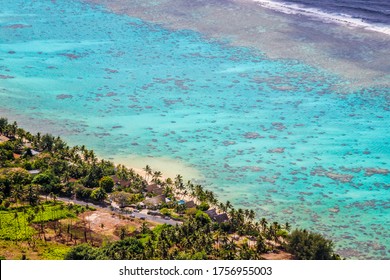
[[49, 191]]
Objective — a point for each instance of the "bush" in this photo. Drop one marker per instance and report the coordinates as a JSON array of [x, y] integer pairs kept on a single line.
[[191, 211], [82, 252], [83, 193], [305, 245], [107, 183], [165, 212], [98, 194], [203, 206], [202, 217]]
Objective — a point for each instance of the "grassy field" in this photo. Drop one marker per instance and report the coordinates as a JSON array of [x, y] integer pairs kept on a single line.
[[12, 250], [16, 224]]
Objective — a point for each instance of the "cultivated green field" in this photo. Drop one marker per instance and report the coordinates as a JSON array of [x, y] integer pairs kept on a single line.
[[16, 223]]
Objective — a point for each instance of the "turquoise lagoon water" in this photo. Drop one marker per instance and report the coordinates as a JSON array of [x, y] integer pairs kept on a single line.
[[274, 135]]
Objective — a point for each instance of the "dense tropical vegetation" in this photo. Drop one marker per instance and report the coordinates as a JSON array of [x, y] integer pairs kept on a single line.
[[38, 170]]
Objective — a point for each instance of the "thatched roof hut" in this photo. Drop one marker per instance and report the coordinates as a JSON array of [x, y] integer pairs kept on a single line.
[[214, 216], [154, 189]]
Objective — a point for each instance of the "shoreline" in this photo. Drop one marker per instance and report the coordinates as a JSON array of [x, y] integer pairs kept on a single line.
[[164, 177], [169, 167], [342, 19]]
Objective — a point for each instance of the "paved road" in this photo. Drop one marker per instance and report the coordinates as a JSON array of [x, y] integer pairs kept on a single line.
[[138, 215]]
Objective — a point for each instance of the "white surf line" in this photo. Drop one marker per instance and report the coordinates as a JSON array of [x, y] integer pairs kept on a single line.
[[326, 17]]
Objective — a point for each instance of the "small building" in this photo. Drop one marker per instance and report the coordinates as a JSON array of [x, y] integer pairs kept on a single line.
[[190, 204], [34, 171], [221, 218], [3, 139], [121, 182], [34, 152], [212, 213], [155, 189], [214, 216]]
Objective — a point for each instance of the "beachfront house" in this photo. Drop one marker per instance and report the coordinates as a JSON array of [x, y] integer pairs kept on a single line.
[[154, 189], [221, 218], [218, 218], [190, 204], [121, 182]]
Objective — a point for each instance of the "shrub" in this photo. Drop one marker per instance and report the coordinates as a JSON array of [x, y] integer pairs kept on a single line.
[[203, 206], [107, 183], [305, 245]]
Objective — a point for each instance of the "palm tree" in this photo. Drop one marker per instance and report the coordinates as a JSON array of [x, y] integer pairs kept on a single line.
[[228, 205], [179, 182], [3, 125], [32, 194], [190, 187], [16, 217], [156, 176], [246, 214], [246, 253], [17, 193], [66, 177], [223, 207], [217, 235], [287, 226], [260, 245], [20, 132], [11, 129], [167, 191], [149, 249], [252, 215], [148, 172], [263, 223], [144, 228]]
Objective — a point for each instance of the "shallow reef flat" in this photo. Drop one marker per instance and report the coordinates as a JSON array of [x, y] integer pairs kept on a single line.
[[288, 139]]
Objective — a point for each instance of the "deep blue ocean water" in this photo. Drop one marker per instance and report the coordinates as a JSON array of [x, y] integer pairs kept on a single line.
[[293, 141], [372, 11]]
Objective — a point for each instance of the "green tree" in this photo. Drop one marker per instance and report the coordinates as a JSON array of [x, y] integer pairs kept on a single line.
[[19, 176], [148, 172], [202, 217], [126, 249], [32, 194], [203, 206], [107, 183], [47, 181], [82, 252], [305, 245], [98, 194], [47, 142], [3, 124], [156, 176]]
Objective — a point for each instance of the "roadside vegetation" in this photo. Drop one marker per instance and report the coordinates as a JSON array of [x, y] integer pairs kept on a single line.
[[38, 171]]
